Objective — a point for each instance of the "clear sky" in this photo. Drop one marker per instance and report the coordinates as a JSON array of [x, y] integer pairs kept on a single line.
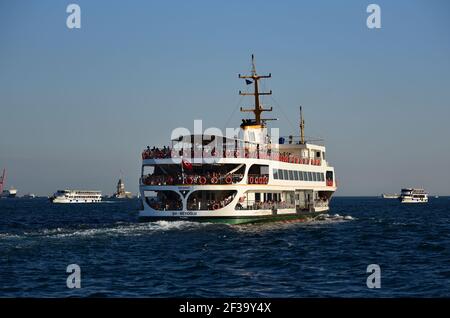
[[78, 106]]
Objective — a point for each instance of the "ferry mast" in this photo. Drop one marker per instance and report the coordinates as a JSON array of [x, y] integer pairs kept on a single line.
[[258, 108], [302, 127]]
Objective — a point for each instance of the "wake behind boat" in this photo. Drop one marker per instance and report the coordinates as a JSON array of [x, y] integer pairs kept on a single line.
[[209, 177]]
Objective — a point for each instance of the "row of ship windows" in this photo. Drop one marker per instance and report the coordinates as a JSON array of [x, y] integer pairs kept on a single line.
[[82, 196], [282, 174]]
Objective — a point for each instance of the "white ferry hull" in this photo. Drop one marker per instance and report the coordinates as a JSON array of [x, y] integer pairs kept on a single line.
[[414, 200], [63, 200], [76, 196], [411, 195], [227, 214]]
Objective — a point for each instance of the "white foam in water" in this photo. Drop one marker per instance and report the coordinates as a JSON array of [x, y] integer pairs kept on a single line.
[[326, 218], [135, 229], [121, 229]]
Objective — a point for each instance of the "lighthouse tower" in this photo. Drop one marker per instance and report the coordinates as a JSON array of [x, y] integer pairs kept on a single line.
[[120, 191]]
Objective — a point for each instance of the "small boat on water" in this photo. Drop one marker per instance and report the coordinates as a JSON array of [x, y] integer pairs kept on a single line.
[[390, 196], [412, 195], [76, 196], [11, 193]]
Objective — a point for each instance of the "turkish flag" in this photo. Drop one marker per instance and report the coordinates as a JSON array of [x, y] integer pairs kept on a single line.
[[186, 165]]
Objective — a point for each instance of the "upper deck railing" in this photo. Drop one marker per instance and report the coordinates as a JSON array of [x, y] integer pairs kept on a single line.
[[266, 154]]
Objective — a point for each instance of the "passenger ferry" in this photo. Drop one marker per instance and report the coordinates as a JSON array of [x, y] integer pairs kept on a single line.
[[76, 196], [247, 178], [411, 195]]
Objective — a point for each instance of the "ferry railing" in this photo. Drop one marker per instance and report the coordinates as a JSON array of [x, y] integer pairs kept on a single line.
[[191, 179], [263, 205], [235, 153]]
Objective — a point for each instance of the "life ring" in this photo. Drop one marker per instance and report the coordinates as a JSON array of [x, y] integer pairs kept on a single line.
[[256, 180], [236, 154], [202, 180], [250, 180], [216, 206], [214, 180], [190, 180], [229, 179], [266, 180]]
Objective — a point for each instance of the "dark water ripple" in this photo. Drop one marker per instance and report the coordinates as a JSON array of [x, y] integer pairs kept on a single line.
[[328, 258]]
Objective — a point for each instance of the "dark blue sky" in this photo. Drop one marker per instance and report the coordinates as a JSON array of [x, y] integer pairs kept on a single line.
[[77, 106]]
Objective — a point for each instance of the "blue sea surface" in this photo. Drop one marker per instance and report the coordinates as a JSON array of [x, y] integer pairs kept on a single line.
[[120, 257]]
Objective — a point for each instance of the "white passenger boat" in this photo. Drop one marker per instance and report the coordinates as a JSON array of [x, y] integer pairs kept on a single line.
[[411, 195], [237, 179], [76, 196]]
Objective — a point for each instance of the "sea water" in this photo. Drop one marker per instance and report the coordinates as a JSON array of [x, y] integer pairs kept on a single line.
[[326, 257]]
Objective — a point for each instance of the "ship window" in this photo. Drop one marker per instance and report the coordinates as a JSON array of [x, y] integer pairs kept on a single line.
[[318, 154], [314, 176], [309, 176], [286, 175], [329, 175], [280, 174], [275, 173], [305, 176], [300, 175], [296, 175], [291, 175]]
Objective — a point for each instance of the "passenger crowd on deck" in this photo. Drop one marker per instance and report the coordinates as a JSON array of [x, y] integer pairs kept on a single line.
[[209, 178], [166, 152], [156, 153], [265, 205], [195, 204]]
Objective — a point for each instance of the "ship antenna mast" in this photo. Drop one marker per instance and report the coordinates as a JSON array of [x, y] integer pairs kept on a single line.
[[258, 109], [302, 127]]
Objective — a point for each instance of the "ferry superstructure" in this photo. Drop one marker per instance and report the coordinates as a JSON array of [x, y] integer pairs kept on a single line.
[[411, 195], [76, 196], [216, 178]]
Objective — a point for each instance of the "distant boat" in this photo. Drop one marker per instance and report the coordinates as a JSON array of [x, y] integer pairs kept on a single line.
[[29, 196], [390, 196], [11, 193], [76, 196], [411, 195]]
